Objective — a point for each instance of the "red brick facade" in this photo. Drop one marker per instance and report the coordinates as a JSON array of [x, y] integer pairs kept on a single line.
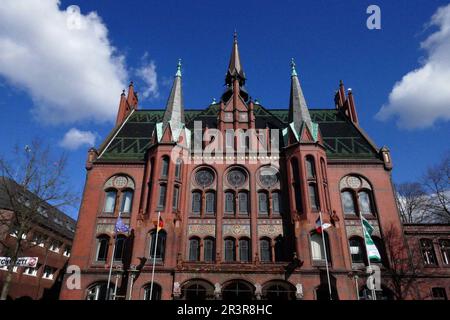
[[238, 224]]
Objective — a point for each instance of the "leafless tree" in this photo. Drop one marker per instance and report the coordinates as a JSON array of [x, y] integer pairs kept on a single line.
[[403, 264], [437, 185], [30, 178], [412, 202]]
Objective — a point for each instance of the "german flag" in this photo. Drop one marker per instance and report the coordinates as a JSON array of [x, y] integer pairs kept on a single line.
[[159, 224]]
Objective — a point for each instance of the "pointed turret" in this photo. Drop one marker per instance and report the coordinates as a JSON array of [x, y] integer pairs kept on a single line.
[[298, 110], [132, 97], [299, 117], [235, 69], [175, 108], [173, 118]]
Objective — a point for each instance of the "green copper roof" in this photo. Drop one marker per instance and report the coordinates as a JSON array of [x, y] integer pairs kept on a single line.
[[341, 138]]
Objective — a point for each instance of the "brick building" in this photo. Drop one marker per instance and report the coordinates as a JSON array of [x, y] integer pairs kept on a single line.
[[50, 240], [239, 207]]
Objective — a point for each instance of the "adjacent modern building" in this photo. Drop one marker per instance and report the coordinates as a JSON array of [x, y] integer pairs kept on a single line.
[[49, 240], [240, 188]]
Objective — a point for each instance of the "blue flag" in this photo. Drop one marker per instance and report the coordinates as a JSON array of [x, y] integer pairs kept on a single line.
[[121, 226]]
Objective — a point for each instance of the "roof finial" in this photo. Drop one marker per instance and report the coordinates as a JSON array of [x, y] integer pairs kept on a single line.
[[293, 71], [235, 35], [178, 74]]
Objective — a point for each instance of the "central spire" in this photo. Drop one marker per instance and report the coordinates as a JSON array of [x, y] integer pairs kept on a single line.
[[235, 70], [175, 109]]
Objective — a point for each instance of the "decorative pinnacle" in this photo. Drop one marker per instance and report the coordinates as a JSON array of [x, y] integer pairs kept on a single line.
[[235, 35], [293, 71], [178, 74]]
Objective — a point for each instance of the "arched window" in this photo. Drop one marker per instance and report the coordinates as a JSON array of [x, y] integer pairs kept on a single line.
[[279, 291], [279, 248], [263, 203], [98, 291], [357, 250], [296, 185], [238, 290], [229, 202], [195, 292], [161, 245], [175, 197], [429, 256], [155, 292], [209, 246], [230, 249], [310, 169], [265, 250], [165, 167], [178, 168], [348, 202], [196, 202], [194, 249], [244, 250], [313, 198], [127, 199], [102, 248], [276, 202], [317, 248], [110, 201], [162, 196], [243, 202], [210, 202], [445, 250], [119, 251], [365, 204]]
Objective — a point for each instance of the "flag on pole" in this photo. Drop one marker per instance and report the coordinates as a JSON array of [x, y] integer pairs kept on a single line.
[[121, 226], [159, 224], [372, 251], [320, 226]]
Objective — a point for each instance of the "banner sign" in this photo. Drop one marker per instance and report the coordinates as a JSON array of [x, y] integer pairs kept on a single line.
[[21, 262]]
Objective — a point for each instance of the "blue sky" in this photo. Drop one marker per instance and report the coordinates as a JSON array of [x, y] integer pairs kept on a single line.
[[328, 39]]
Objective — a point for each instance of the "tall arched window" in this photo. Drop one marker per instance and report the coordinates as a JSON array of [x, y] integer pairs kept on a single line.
[[175, 197], [210, 202], [429, 256], [230, 249], [296, 184], [265, 250], [229, 202], [243, 202], [102, 248], [127, 200], [119, 251], [348, 202], [310, 169], [194, 249], [263, 203], [110, 201], [165, 167], [276, 202], [161, 245], [445, 250], [244, 250], [357, 250], [317, 248], [365, 204], [209, 246], [178, 168], [196, 202], [313, 198], [155, 292], [162, 196]]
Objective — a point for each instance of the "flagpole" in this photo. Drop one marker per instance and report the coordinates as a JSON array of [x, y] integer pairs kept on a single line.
[[154, 255], [326, 258], [367, 253], [112, 259]]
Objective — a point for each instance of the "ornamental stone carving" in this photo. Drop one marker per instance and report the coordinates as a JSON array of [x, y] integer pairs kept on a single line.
[[354, 182], [105, 228], [270, 230], [236, 230], [202, 230], [119, 182]]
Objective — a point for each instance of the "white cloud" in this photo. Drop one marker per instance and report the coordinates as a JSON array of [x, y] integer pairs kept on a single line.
[[422, 96], [147, 72], [74, 138], [64, 60]]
